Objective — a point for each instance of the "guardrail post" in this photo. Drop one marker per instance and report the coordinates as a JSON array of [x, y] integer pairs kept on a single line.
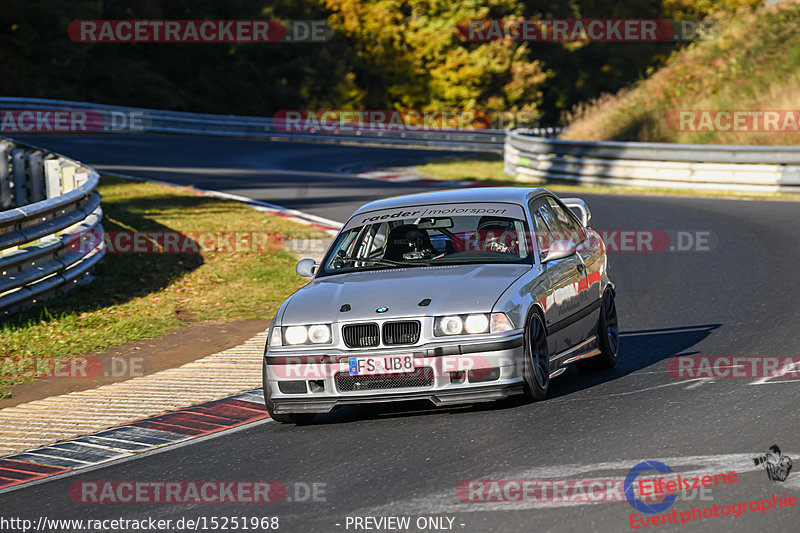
[[52, 175], [36, 173], [6, 200], [20, 177]]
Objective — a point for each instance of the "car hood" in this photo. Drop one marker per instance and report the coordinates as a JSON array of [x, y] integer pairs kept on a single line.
[[451, 289]]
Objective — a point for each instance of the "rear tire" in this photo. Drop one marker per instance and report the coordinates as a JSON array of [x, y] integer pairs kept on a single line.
[[607, 336], [536, 359], [299, 419]]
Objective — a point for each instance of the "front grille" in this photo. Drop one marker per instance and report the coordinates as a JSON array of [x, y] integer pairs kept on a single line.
[[421, 377], [401, 332], [360, 335]]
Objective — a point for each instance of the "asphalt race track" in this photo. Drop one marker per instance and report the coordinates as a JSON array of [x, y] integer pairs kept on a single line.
[[738, 297]]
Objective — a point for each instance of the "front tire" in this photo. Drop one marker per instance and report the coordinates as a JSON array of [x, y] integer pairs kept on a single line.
[[607, 336], [299, 419], [536, 359]]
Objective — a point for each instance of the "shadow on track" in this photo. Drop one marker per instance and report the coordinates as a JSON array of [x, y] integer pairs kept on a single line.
[[638, 350]]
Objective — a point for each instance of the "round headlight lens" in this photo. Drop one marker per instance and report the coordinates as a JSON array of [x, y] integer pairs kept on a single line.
[[451, 325], [476, 324], [295, 334], [319, 334]]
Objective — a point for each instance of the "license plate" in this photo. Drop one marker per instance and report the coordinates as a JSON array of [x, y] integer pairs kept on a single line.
[[380, 365]]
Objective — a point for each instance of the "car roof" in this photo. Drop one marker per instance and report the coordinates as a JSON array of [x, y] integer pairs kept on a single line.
[[516, 195]]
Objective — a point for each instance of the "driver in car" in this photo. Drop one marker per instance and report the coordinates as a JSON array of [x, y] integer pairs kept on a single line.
[[408, 242], [497, 234]]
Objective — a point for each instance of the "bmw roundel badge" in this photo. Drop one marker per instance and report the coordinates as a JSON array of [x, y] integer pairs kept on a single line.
[[381, 309]]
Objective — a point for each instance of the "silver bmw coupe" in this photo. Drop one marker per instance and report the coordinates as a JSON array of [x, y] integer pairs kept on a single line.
[[453, 296]]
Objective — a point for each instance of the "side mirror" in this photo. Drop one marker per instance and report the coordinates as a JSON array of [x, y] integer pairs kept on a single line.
[[306, 268], [560, 250], [580, 205]]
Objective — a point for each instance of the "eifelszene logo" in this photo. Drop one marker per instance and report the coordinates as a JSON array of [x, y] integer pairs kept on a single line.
[[650, 507]]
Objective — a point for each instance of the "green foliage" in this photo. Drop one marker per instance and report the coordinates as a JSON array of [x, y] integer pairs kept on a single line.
[[39, 59], [704, 8], [751, 65], [410, 51], [395, 54]]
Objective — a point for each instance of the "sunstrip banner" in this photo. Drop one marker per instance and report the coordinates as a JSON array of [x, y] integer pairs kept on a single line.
[[437, 210]]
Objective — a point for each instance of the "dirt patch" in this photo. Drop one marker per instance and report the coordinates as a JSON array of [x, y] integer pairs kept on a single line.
[[143, 357], [186, 315]]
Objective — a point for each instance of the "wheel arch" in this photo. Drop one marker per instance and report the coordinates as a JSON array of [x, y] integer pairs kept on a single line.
[[535, 307]]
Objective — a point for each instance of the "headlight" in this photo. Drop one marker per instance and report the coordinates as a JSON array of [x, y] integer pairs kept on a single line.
[[275, 337], [296, 334], [476, 324], [314, 334], [471, 324], [449, 325], [319, 334]]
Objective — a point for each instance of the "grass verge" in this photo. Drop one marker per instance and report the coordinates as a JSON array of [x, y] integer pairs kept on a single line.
[[488, 169], [137, 296]]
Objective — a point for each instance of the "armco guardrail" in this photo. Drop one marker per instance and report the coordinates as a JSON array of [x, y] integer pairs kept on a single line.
[[45, 199], [692, 166], [113, 119]]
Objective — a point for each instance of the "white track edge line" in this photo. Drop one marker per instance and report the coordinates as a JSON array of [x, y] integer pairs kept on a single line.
[[243, 199]]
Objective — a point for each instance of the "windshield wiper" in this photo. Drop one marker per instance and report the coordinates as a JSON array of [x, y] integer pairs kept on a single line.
[[381, 261], [374, 260]]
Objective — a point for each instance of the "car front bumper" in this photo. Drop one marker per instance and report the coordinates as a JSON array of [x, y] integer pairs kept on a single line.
[[318, 381]]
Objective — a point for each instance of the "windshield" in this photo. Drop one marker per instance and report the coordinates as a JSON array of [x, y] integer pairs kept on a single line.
[[430, 235]]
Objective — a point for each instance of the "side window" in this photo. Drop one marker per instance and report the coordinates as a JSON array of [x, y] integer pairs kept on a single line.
[[543, 235], [369, 241], [563, 224], [346, 245], [542, 216]]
